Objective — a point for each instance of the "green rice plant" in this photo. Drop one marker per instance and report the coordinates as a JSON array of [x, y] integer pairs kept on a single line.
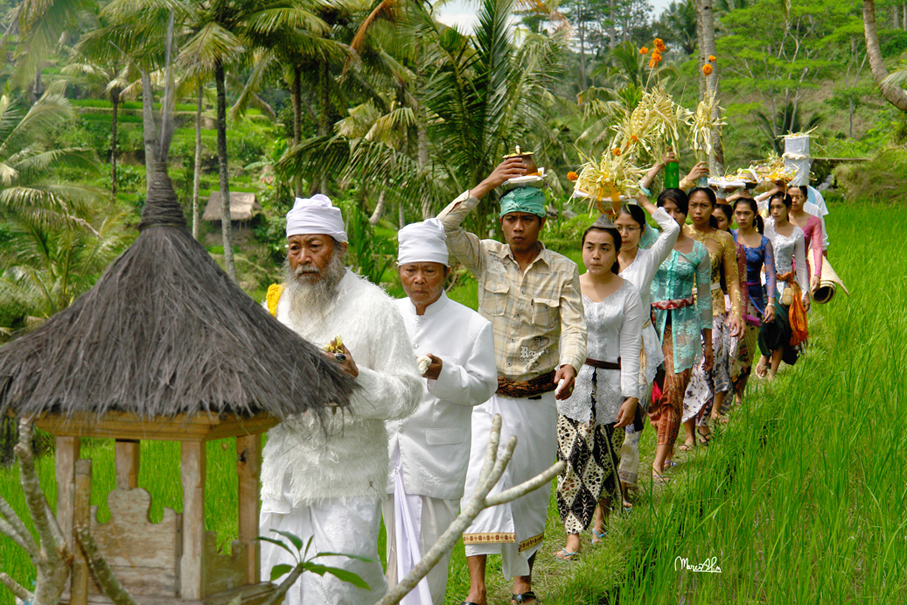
[[800, 499]]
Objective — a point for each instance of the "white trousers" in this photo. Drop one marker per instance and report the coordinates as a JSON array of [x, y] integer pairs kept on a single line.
[[514, 530], [437, 515], [350, 525]]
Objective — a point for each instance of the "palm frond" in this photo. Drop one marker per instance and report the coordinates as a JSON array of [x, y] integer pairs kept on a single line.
[[212, 43]]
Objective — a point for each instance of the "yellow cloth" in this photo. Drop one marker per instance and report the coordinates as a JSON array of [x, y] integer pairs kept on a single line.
[[274, 292]]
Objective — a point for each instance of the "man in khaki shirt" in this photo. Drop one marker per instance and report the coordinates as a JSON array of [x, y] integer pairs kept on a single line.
[[531, 297]]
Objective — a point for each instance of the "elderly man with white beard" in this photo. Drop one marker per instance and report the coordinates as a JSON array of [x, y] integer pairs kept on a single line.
[[429, 451], [325, 482]]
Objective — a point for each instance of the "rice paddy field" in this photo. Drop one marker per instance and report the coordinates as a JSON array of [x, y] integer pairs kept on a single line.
[[802, 498]]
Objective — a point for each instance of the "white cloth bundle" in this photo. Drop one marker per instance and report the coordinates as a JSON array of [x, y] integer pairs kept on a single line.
[[423, 361]]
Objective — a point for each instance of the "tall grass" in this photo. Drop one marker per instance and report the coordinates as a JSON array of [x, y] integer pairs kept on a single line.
[[802, 499]]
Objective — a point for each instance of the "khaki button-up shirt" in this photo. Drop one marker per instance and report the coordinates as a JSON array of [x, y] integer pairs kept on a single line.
[[537, 316]]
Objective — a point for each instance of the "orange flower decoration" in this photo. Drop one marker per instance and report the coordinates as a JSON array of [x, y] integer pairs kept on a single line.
[[644, 50], [659, 45], [712, 58], [707, 69], [572, 176], [656, 59], [634, 138], [616, 151]]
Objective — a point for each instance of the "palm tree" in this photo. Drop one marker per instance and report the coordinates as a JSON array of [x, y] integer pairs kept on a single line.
[[112, 79], [482, 95], [890, 86], [679, 18], [27, 160], [295, 44], [35, 30], [59, 243]]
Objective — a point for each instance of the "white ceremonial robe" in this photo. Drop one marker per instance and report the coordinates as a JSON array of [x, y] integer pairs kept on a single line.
[[429, 450], [333, 476], [514, 530]]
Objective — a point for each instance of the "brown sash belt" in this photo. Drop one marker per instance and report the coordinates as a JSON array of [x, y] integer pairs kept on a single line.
[[527, 388], [603, 365]]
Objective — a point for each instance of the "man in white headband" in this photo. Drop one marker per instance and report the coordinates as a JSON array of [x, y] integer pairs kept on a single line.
[[325, 481], [429, 451], [531, 296]]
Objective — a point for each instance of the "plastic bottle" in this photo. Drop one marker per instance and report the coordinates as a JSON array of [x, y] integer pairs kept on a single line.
[[672, 175]]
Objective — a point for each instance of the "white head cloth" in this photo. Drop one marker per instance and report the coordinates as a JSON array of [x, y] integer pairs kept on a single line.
[[316, 216], [423, 242]]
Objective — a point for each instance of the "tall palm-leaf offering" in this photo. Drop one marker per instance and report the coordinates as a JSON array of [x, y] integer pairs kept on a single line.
[[706, 121], [655, 124]]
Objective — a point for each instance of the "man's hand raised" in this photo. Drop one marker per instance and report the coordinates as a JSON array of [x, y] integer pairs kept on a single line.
[[510, 168]]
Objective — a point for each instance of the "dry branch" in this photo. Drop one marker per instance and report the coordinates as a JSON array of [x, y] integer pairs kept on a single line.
[[492, 470], [16, 588], [15, 529], [51, 556], [101, 571]]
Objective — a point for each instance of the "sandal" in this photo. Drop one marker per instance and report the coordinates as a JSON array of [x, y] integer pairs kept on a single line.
[[659, 479], [565, 555], [526, 597], [686, 447], [704, 438], [670, 464], [597, 537]]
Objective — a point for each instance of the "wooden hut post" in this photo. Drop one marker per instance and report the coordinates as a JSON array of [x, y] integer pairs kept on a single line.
[[67, 452], [192, 565], [248, 468], [127, 463], [81, 516]]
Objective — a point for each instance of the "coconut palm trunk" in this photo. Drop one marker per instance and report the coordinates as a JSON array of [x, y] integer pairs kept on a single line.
[[895, 95], [197, 176], [709, 84], [115, 102], [296, 97], [226, 225]]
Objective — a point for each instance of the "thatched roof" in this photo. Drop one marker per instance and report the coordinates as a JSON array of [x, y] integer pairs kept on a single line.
[[243, 206], [164, 332]]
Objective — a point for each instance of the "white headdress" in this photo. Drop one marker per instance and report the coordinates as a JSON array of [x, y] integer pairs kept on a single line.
[[423, 242], [316, 216]]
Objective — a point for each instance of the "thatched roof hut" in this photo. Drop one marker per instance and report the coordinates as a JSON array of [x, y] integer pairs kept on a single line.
[[243, 206], [165, 332]]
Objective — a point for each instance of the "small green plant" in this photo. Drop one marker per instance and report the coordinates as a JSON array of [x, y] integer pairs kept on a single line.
[[304, 563]]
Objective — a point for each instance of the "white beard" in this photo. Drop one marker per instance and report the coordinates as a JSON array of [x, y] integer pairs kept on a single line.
[[312, 292]]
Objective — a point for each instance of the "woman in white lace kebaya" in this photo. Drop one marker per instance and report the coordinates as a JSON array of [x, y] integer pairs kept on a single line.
[[590, 428], [638, 266], [781, 338]]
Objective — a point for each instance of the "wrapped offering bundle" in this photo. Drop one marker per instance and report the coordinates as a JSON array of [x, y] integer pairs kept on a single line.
[[796, 157]]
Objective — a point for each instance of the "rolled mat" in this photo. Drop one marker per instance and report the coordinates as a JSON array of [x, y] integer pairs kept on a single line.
[[828, 282]]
